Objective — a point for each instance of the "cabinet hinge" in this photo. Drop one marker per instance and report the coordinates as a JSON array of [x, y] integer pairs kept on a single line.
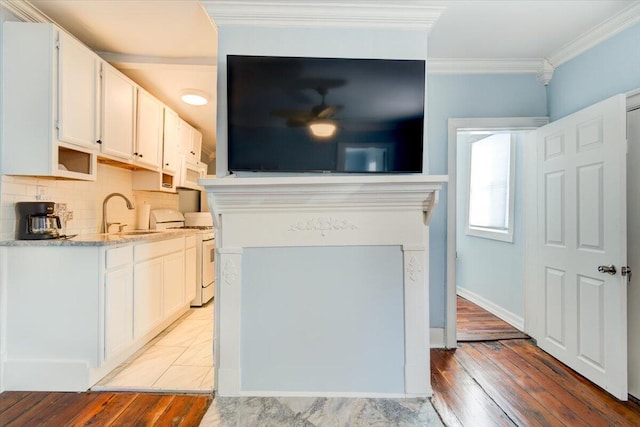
[[57, 124], [57, 44]]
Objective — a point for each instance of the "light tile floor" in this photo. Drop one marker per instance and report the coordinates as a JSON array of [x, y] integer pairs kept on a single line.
[[179, 359]]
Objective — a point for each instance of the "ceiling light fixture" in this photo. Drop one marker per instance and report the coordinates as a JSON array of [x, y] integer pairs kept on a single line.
[[194, 97], [322, 128]]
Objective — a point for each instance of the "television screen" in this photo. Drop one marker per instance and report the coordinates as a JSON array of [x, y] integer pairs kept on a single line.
[[290, 114]]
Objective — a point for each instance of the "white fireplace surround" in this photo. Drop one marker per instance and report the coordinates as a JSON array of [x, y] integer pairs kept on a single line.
[[320, 211]]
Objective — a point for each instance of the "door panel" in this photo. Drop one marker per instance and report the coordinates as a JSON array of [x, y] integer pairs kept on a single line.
[[581, 175]]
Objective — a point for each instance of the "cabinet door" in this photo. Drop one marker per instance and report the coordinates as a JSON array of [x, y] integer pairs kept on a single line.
[[149, 130], [173, 282], [147, 296], [185, 140], [170, 141], [77, 93], [118, 113], [190, 266], [118, 310], [196, 145]]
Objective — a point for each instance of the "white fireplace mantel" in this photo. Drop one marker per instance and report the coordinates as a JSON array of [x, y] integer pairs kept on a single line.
[[322, 211]]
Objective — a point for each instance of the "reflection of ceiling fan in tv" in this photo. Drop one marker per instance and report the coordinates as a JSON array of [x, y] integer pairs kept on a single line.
[[319, 119]]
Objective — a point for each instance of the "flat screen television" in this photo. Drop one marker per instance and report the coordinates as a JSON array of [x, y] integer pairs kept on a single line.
[[294, 114]]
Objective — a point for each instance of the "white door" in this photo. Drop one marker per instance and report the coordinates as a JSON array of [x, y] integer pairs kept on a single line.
[[581, 187]]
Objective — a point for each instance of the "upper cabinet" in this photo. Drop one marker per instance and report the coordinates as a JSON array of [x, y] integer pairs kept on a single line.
[[171, 141], [78, 69], [190, 142], [118, 114], [50, 99], [149, 130]]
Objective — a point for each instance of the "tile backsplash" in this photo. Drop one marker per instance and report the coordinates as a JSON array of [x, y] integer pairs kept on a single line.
[[83, 198]]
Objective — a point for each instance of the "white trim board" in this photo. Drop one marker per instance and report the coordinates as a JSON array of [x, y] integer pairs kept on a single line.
[[509, 317], [436, 338]]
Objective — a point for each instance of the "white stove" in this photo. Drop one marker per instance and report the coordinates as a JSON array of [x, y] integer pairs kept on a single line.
[[202, 222]]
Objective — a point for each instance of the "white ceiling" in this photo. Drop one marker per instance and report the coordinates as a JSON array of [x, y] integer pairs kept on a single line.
[[170, 45]]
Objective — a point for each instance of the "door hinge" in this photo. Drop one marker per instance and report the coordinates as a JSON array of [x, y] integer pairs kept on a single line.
[[626, 271]]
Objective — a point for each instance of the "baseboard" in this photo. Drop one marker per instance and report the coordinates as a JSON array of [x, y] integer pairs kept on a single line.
[[351, 395], [46, 375], [436, 338], [512, 319]]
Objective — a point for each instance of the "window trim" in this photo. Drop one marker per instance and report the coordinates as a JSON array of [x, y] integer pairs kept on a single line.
[[492, 233]]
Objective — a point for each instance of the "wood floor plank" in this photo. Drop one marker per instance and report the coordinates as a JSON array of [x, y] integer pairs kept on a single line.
[[514, 400], [108, 413], [40, 413], [10, 398], [620, 413], [584, 413], [86, 414], [477, 324], [177, 414], [470, 402], [527, 379], [21, 407]]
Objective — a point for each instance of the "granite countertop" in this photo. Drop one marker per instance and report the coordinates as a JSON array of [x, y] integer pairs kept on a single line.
[[104, 239]]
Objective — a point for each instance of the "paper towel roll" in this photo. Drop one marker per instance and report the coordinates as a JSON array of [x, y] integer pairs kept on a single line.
[[143, 216]]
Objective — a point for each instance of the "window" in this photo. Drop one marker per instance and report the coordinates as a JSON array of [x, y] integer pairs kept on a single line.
[[491, 183]]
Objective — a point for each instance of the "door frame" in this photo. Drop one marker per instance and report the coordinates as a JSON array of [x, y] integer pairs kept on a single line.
[[454, 125]]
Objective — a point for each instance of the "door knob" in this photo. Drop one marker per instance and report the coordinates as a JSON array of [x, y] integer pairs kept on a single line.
[[610, 269]]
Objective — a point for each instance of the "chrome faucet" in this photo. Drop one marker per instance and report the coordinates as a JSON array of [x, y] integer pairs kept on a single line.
[[105, 224]]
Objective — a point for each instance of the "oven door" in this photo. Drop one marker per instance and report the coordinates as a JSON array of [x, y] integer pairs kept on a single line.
[[208, 250]]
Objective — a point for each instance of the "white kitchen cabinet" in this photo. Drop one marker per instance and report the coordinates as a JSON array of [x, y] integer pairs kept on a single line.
[[65, 331], [149, 132], [118, 311], [190, 265], [50, 99], [173, 281], [190, 142], [147, 296], [78, 93], [118, 114], [170, 141]]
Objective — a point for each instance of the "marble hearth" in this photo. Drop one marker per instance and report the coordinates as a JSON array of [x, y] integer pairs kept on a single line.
[[322, 285]]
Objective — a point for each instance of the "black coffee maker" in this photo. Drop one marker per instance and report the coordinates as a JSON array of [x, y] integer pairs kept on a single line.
[[36, 221]]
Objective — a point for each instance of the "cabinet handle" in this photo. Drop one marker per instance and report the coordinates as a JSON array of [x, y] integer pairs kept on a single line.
[[135, 154], [140, 155], [193, 152], [166, 164], [99, 141]]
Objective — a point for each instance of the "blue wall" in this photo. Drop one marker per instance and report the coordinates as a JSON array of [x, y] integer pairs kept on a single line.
[[605, 70], [467, 96], [491, 268]]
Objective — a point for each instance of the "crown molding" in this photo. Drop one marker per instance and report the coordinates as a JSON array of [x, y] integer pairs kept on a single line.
[[609, 28], [404, 15], [483, 66], [139, 62], [24, 10]]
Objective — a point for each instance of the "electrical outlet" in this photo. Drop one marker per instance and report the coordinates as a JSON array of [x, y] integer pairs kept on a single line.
[[70, 215], [61, 207], [41, 192]]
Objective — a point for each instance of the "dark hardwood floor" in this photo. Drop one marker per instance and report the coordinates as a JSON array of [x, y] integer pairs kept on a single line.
[[514, 383], [101, 409], [477, 324]]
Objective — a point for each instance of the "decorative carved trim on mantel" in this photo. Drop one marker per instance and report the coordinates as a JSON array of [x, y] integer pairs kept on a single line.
[[323, 225], [413, 269], [229, 272]]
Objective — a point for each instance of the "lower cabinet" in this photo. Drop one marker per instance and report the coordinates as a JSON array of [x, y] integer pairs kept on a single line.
[[118, 311], [147, 296], [173, 281], [85, 309], [190, 266]]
